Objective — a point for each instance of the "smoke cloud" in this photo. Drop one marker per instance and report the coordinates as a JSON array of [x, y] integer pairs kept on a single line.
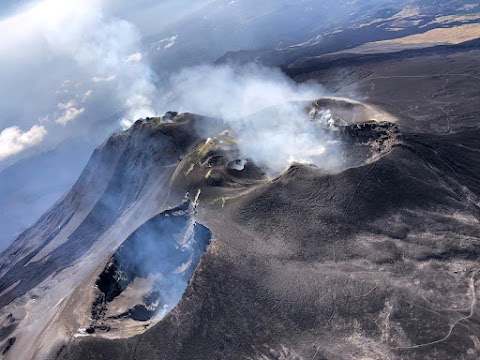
[[77, 48], [108, 47], [264, 109], [166, 250]]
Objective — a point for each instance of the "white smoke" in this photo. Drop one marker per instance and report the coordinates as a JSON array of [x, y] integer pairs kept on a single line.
[[264, 109], [105, 47]]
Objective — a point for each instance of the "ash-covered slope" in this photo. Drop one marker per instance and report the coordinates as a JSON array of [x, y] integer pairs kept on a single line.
[[378, 261], [124, 184]]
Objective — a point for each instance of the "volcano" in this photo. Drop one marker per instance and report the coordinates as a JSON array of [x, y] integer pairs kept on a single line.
[[173, 245]]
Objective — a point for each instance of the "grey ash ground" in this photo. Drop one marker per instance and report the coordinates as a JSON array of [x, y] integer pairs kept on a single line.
[[377, 260]]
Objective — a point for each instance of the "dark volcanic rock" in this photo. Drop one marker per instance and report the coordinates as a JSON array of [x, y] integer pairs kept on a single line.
[[378, 260], [7, 345]]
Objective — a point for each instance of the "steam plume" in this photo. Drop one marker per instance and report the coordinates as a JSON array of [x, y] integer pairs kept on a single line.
[[108, 47], [264, 109]]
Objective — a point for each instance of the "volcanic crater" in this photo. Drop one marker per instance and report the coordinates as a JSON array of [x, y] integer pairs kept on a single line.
[[148, 274]]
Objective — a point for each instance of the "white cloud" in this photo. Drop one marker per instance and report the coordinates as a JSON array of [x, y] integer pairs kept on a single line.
[[135, 57], [14, 141], [70, 112], [44, 119], [67, 105], [98, 79], [171, 42], [87, 94], [165, 43], [69, 115]]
